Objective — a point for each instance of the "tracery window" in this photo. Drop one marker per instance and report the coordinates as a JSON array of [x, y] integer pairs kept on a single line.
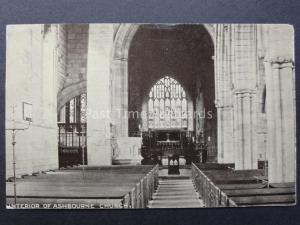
[[167, 105], [74, 111]]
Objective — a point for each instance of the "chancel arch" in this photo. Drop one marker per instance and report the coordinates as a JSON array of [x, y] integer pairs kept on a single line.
[[126, 32], [145, 54], [124, 35]]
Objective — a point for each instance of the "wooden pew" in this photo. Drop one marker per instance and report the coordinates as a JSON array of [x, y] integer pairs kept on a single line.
[[225, 187], [259, 191], [122, 186], [264, 200], [240, 186], [257, 195], [283, 194], [213, 166]]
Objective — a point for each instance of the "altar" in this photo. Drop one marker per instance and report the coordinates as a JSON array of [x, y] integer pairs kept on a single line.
[[165, 143], [169, 148]]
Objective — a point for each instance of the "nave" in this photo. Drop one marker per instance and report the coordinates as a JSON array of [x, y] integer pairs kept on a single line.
[[85, 127], [201, 185]]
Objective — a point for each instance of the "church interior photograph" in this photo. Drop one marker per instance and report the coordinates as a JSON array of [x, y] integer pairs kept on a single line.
[[129, 115]]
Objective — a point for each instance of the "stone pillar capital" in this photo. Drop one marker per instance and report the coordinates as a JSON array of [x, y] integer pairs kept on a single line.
[[244, 92], [220, 105], [280, 62], [225, 107]]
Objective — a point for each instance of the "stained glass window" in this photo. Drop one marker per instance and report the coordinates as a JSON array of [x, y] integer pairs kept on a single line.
[[75, 110], [167, 105]]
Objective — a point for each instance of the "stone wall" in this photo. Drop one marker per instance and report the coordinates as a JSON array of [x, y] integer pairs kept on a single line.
[[32, 69], [258, 62], [61, 55], [74, 82], [240, 74]]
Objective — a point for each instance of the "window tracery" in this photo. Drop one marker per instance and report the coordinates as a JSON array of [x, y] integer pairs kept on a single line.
[[167, 104]]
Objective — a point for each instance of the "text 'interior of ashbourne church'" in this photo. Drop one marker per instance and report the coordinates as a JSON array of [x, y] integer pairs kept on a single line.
[[150, 115]]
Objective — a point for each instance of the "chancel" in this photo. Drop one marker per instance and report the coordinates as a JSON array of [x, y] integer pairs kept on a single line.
[[150, 115]]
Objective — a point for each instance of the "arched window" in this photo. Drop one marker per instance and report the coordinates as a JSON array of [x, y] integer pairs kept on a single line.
[[74, 111], [167, 105]]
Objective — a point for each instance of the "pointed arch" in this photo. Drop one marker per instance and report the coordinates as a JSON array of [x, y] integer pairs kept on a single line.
[[124, 35]]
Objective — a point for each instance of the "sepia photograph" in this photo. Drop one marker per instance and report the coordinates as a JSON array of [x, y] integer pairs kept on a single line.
[[149, 115]]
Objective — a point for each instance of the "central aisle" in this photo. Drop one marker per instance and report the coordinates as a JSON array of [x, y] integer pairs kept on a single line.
[[175, 191]]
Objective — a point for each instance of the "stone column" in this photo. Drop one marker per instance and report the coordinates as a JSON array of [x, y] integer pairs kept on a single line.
[[225, 134], [98, 94], [244, 95], [245, 135], [120, 95], [280, 94], [223, 94]]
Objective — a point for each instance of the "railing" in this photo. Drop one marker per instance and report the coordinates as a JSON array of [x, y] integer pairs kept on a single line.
[[72, 144], [212, 195], [142, 193], [135, 134], [72, 134]]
